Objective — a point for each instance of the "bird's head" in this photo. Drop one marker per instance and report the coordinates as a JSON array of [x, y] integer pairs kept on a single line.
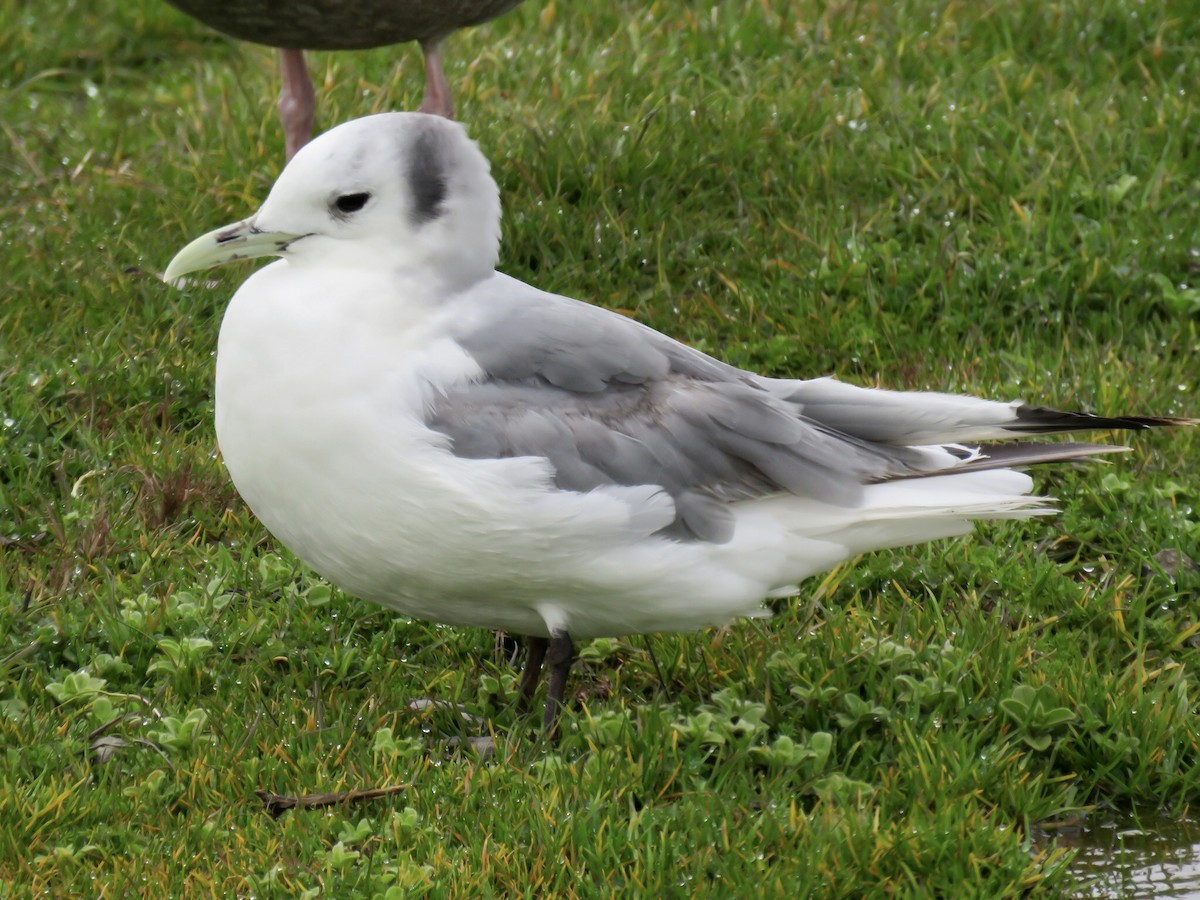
[[406, 191]]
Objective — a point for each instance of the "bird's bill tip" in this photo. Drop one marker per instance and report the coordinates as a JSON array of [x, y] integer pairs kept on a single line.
[[241, 240]]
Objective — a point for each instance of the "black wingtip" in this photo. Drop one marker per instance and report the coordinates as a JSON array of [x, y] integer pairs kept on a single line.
[[1043, 420]]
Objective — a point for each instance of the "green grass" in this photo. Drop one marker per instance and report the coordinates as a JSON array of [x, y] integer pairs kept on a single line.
[[999, 198]]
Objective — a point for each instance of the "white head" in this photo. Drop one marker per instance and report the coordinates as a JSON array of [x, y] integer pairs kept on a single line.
[[403, 191]]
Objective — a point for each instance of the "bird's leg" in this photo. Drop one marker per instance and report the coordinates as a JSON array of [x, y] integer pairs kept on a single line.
[[560, 657], [534, 656], [296, 101], [437, 89]]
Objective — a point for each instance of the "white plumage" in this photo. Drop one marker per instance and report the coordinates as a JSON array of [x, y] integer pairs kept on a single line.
[[454, 444]]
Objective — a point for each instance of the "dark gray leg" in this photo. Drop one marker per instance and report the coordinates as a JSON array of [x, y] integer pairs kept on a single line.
[[560, 657], [534, 656]]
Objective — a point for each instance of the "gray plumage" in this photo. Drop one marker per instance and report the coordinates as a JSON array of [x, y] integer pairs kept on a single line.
[[608, 401], [341, 24], [926, 417]]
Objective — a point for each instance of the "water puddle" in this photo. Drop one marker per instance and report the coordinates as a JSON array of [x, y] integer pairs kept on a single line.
[[1141, 856]]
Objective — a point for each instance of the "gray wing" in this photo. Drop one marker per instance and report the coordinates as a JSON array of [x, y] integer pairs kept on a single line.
[[926, 417], [608, 401], [518, 334]]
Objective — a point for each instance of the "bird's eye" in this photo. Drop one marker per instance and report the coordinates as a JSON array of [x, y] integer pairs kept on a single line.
[[351, 203]]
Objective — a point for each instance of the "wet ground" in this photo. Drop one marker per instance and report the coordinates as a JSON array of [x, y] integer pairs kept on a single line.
[[1147, 855]]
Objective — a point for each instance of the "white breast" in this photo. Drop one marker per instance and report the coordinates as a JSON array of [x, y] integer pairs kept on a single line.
[[320, 422]]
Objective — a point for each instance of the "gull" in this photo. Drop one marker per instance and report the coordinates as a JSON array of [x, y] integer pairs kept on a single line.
[[343, 25], [454, 444]]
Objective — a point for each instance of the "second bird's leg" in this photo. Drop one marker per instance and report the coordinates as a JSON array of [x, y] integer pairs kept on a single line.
[[437, 89], [296, 101]]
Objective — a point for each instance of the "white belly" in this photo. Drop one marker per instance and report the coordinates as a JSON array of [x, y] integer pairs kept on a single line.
[[322, 432]]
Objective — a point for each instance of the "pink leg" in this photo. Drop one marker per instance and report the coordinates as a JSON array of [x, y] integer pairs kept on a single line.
[[296, 101], [437, 91]]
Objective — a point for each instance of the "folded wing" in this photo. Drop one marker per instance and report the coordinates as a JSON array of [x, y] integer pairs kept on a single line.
[[610, 402]]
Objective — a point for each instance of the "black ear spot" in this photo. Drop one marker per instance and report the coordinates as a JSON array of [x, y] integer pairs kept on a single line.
[[426, 177]]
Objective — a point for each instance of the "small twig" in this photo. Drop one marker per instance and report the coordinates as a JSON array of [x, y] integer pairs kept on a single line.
[[111, 723], [278, 804]]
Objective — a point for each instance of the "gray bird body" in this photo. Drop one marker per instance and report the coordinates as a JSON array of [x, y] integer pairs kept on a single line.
[[341, 24]]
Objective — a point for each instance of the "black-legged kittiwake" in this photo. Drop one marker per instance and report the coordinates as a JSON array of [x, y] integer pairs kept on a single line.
[[459, 446]]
